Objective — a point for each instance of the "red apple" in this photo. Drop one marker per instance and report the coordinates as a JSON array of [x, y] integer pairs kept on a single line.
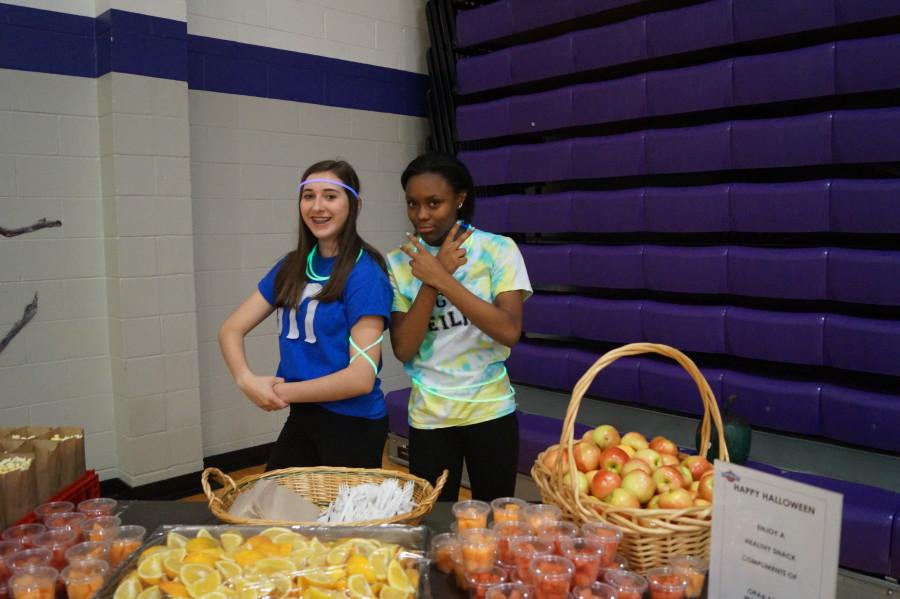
[[635, 440], [552, 456], [700, 502], [628, 449], [698, 465], [604, 483], [605, 436], [651, 457], [667, 478], [694, 486], [664, 446], [587, 456], [669, 460], [686, 475], [676, 500], [653, 504], [640, 483], [589, 475], [636, 464], [580, 481], [706, 486], [623, 498], [613, 459], [587, 435]]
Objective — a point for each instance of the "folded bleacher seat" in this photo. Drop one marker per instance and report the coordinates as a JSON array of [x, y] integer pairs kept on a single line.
[[687, 209], [781, 207], [864, 276], [759, 19], [796, 338], [780, 404], [791, 141], [781, 273], [780, 76], [694, 27], [608, 211]]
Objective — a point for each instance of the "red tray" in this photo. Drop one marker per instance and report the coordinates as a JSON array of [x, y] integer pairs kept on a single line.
[[87, 486]]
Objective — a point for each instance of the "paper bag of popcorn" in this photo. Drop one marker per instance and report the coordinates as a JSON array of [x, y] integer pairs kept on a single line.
[[18, 493], [71, 452], [30, 433]]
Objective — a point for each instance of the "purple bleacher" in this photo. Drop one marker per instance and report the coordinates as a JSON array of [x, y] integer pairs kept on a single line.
[[549, 161], [863, 344], [488, 167], [478, 73], [689, 270], [606, 320], [867, 64], [531, 14], [780, 76], [541, 213], [540, 112], [780, 207], [609, 45], [608, 101], [479, 121], [796, 338], [492, 214], [704, 87], [689, 149], [539, 366], [759, 19], [484, 23], [703, 25], [689, 328], [782, 273], [667, 385], [864, 276], [612, 156], [870, 531], [608, 211], [790, 406], [619, 381], [861, 417], [687, 209], [866, 135], [397, 402], [537, 433], [548, 315], [792, 141], [865, 206], [548, 264], [584, 8], [616, 267], [542, 60], [853, 11]]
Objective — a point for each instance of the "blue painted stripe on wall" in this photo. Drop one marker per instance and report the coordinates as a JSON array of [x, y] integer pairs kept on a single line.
[[124, 42]]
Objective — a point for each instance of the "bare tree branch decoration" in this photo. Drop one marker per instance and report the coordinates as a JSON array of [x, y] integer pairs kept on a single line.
[[30, 311], [41, 224]]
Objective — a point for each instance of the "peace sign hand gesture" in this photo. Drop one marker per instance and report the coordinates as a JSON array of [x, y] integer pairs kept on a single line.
[[451, 255], [431, 270]]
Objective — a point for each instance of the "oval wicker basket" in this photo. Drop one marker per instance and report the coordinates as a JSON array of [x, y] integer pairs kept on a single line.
[[651, 536], [319, 485]]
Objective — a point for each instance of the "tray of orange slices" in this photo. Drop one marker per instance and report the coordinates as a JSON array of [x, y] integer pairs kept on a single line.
[[257, 562]]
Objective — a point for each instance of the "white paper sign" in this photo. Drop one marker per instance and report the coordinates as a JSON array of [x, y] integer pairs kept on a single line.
[[772, 538]]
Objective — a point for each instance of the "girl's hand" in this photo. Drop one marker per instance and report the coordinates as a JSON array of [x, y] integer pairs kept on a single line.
[[424, 266], [451, 255], [261, 391]]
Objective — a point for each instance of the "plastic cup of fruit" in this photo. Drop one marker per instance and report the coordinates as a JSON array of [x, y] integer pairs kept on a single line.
[[510, 590], [83, 579], [58, 541], [99, 528], [479, 582], [7, 550], [666, 583], [445, 550], [29, 558], [38, 582], [23, 533], [89, 550], [479, 547], [552, 576], [628, 584], [125, 540], [556, 532], [694, 569], [526, 549], [53, 507], [595, 590], [508, 509], [607, 534], [101, 506], [540, 514], [505, 531], [471, 514], [587, 555], [73, 520]]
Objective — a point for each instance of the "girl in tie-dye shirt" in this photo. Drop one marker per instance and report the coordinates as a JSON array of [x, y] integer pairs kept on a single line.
[[457, 311]]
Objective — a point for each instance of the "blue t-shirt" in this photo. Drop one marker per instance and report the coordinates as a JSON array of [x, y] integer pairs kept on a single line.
[[313, 340]]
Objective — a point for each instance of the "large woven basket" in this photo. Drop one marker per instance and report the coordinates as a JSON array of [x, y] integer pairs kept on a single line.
[[319, 485], [650, 537]]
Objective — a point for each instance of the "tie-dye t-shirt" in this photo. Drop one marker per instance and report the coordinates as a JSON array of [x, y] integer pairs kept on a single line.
[[456, 359]]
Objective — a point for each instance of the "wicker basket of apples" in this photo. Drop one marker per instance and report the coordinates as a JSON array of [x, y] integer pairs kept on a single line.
[[662, 500]]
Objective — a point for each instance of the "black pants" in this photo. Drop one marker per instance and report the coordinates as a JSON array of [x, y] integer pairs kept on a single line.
[[490, 450], [314, 436]]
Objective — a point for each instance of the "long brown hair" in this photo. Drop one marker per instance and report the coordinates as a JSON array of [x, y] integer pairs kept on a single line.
[[291, 277]]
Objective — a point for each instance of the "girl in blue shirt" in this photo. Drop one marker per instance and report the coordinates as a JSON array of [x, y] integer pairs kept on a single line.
[[333, 301]]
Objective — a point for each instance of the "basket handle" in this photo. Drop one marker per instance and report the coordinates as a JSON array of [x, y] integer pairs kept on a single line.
[[710, 407], [436, 491], [220, 477]]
